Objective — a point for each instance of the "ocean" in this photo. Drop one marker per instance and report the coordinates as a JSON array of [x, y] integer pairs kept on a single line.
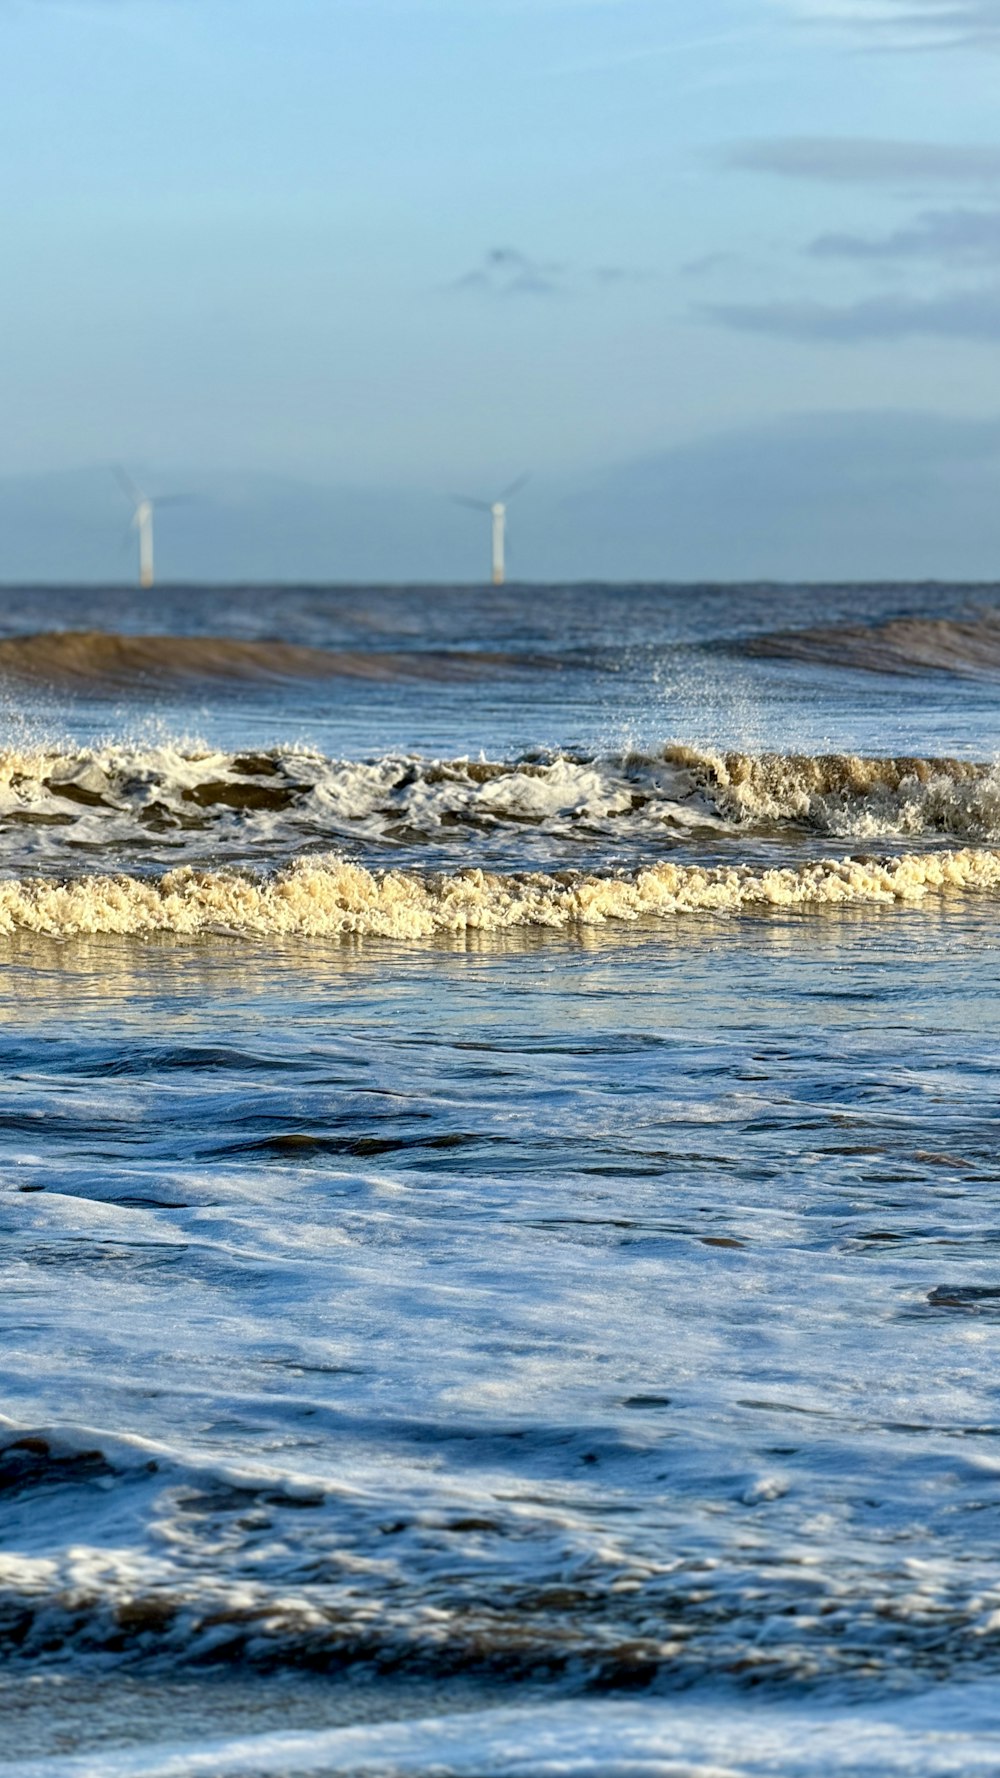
[[498, 1154]]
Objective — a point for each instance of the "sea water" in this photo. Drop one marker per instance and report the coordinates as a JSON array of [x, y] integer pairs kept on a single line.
[[499, 1193]]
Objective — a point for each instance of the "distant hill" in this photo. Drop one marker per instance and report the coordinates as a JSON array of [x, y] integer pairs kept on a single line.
[[822, 497]]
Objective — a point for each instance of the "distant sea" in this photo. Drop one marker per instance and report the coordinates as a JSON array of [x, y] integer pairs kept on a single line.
[[499, 1179]]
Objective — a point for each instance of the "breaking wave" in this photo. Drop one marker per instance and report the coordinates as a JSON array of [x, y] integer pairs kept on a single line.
[[848, 795], [333, 898], [969, 646], [197, 804]]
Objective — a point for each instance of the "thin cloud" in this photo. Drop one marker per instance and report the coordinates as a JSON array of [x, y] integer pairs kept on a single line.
[[652, 52], [945, 235], [619, 274], [866, 160], [709, 263], [960, 314], [903, 24], [507, 272]]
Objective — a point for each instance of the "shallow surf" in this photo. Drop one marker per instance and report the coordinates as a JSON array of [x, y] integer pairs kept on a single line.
[[498, 1191], [147, 806]]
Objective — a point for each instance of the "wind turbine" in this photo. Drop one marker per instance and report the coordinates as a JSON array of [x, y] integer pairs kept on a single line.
[[497, 510], [143, 508]]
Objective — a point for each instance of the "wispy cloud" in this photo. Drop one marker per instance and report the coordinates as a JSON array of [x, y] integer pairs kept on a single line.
[[619, 274], [957, 314], [868, 160], [627, 57], [709, 263], [972, 236], [507, 272], [955, 235], [903, 24]]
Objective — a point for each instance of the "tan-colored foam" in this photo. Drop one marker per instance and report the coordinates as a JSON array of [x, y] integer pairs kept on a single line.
[[123, 792], [848, 793], [327, 897]]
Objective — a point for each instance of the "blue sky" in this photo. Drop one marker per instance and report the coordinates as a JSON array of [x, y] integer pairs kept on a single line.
[[408, 246]]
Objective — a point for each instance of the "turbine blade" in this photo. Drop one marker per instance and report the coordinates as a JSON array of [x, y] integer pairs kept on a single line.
[[479, 505], [127, 485], [515, 487]]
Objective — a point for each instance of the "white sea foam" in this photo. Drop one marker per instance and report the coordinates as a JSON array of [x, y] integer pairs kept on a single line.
[[652, 1739], [332, 898], [175, 800]]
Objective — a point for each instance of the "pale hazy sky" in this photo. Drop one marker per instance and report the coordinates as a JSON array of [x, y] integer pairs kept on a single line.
[[419, 244]]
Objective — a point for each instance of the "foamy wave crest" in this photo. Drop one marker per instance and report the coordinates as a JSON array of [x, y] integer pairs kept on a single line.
[[176, 802], [844, 794], [331, 898]]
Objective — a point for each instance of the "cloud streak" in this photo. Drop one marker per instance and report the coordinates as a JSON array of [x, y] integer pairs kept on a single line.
[[903, 24], [864, 160], [506, 272], [945, 235], [960, 314]]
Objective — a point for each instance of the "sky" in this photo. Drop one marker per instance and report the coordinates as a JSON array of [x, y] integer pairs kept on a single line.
[[724, 277]]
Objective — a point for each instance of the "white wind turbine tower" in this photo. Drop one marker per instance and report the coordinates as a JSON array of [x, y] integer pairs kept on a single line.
[[497, 510], [142, 524], [143, 508]]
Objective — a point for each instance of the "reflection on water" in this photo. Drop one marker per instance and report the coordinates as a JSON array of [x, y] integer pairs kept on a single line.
[[630, 1303], [677, 957]]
